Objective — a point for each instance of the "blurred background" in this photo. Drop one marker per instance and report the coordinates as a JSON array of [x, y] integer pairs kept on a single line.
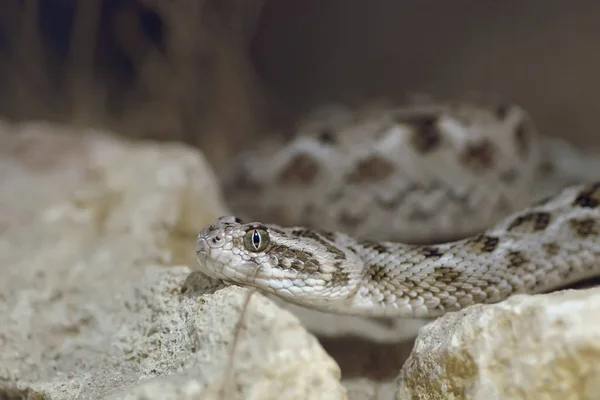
[[220, 74]]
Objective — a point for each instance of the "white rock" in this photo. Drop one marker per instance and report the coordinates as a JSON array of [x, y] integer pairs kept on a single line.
[[96, 236], [528, 347]]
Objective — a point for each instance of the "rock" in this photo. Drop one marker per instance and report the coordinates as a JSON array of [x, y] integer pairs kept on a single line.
[[528, 347], [96, 297]]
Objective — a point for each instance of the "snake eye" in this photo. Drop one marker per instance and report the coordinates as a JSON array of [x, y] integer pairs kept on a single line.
[[256, 240]]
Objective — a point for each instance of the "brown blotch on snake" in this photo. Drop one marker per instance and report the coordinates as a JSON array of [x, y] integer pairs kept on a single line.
[[551, 248], [531, 222], [426, 136], [301, 169], [377, 272], [295, 259], [339, 277], [516, 259], [339, 255], [430, 251], [484, 243], [479, 156], [448, 276], [584, 227], [327, 137], [371, 169], [589, 197]]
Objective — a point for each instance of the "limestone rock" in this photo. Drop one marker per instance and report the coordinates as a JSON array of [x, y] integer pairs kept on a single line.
[[96, 240], [528, 347]]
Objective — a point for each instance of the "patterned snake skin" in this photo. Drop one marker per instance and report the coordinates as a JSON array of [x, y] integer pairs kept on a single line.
[[431, 177]]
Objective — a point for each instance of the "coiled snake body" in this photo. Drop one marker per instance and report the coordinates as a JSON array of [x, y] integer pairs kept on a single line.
[[433, 176]]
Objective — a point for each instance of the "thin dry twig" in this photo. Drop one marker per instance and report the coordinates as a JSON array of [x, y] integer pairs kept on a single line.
[[236, 334]]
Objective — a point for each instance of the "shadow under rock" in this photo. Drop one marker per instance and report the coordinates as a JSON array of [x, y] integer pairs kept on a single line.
[[584, 284], [360, 357], [198, 283]]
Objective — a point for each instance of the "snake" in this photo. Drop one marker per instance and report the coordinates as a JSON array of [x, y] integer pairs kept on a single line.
[[408, 211]]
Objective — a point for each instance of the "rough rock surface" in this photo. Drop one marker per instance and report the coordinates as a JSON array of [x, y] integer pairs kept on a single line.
[[96, 299], [528, 347]]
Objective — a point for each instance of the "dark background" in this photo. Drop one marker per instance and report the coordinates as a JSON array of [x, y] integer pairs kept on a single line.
[[221, 73]]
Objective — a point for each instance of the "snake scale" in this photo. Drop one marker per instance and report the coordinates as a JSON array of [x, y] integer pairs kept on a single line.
[[408, 211]]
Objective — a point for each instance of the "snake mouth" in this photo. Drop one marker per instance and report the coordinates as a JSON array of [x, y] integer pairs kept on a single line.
[[201, 247], [201, 256]]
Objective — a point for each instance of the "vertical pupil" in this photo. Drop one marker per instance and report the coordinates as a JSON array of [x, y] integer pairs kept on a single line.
[[256, 239]]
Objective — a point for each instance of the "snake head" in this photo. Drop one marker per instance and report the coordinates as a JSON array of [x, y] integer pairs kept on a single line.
[[300, 265]]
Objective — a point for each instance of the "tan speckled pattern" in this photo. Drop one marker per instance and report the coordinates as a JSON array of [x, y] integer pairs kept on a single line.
[[544, 247]]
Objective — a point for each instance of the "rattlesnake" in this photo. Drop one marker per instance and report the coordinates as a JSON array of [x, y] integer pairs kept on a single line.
[[420, 174]]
